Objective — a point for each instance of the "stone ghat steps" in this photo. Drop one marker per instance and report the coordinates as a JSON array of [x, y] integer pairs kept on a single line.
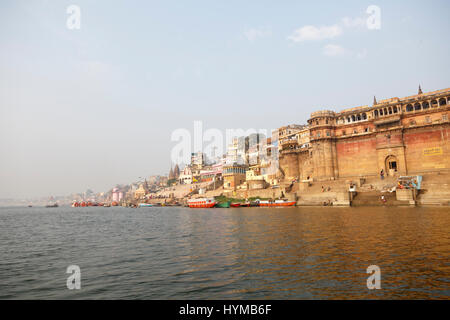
[[373, 198], [435, 190], [373, 183], [316, 187]]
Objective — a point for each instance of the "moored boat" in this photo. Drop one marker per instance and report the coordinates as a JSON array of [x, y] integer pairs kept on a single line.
[[235, 205], [54, 205], [276, 203], [202, 203], [145, 205], [225, 204]]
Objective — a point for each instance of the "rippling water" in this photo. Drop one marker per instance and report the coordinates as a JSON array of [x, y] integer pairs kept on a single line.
[[246, 253]]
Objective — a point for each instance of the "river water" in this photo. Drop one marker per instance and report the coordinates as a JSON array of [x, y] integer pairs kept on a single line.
[[236, 253]]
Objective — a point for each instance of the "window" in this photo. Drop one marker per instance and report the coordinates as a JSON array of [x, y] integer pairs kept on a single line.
[[355, 131], [328, 133], [445, 117], [425, 105], [417, 107], [343, 133], [434, 104], [366, 130], [395, 110], [442, 102], [409, 108]]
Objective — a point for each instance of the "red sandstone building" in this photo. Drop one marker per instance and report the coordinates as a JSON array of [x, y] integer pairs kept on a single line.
[[399, 135]]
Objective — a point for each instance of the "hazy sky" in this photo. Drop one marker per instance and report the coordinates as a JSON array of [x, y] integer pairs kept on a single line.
[[93, 107]]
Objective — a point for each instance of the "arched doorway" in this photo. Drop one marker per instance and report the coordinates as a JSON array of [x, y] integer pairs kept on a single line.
[[391, 165]]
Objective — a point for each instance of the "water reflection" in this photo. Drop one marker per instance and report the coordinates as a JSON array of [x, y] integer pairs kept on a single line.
[[239, 253]]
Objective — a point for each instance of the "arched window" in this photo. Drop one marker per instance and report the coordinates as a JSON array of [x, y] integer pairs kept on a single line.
[[395, 109], [409, 108], [359, 117], [442, 102], [390, 110], [348, 119], [364, 116], [381, 112], [434, 103], [375, 113], [385, 111], [417, 106], [353, 118], [425, 105]]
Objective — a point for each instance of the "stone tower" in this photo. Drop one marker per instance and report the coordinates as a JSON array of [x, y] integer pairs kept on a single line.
[[323, 145]]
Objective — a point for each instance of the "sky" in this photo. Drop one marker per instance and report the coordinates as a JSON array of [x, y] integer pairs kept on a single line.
[[96, 106]]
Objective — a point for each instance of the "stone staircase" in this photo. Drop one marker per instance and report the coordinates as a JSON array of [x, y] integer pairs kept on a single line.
[[435, 190], [373, 198]]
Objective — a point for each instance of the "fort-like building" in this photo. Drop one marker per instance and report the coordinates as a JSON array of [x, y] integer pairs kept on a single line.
[[401, 136]]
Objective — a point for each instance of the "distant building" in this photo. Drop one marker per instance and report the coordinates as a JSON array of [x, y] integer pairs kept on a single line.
[[185, 176], [142, 191], [117, 195], [198, 160], [233, 176]]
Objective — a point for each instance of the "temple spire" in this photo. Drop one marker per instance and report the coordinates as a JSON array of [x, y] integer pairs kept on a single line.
[[375, 100], [420, 90]]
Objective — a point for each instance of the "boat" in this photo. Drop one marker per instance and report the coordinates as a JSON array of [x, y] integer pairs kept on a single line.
[[145, 205], [225, 204], [54, 205], [202, 203], [235, 205], [276, 203], [106, 205]]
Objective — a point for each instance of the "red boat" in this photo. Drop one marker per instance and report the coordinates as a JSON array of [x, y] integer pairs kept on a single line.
[[277, 203], [235, 205], [202, 203]]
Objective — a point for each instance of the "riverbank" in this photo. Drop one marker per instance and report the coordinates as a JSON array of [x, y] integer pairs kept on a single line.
[[435, 191]]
